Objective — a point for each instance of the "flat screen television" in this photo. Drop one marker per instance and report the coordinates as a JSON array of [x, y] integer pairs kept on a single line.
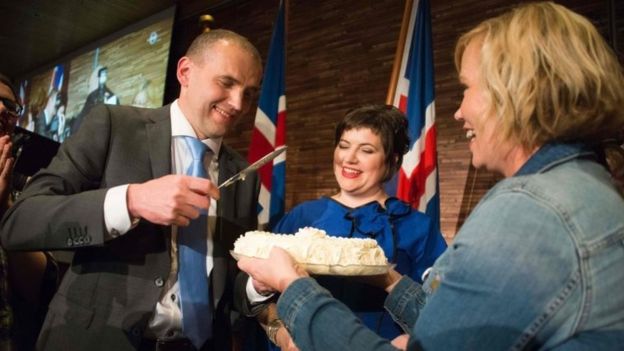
[[125, 68]]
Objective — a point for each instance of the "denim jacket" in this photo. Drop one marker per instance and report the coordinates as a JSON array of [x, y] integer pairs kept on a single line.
[[539, 264]]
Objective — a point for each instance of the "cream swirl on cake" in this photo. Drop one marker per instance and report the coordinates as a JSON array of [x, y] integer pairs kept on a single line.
[[319, 252]]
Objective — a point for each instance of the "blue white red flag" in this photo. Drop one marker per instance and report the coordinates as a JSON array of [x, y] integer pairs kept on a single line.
[[417, 181], [270, 128]]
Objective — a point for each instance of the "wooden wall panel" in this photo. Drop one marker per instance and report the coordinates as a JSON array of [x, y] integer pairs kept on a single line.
[[339, 55]]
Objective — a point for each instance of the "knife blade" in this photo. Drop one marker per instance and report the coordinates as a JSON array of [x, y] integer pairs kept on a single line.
[[254, 166]]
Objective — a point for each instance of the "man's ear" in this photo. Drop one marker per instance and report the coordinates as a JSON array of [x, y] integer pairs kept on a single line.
[[183, 70]]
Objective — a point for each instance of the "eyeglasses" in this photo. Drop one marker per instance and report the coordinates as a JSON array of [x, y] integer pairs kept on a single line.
[[13, 107]]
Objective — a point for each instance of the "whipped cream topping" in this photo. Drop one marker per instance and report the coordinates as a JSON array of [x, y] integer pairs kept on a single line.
[[313, 246]]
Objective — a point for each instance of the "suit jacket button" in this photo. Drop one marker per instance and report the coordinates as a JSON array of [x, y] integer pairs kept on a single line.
[[159, 282], [136, 332]]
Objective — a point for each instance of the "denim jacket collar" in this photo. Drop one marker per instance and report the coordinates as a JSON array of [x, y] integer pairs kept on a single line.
[[553, 154]]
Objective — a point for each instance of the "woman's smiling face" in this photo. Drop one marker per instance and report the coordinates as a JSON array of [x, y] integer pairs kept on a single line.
[[359, 165], [488, 149]]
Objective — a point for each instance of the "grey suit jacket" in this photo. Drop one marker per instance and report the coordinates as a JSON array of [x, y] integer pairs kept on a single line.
[[112, 286]]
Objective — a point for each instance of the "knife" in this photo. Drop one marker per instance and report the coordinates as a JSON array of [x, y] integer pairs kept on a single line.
[[254, 166]]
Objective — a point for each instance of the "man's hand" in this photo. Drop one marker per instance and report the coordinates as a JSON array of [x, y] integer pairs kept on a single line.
[[277, 272], [284, 341], [172, 199], [262, 289], [268, 319]]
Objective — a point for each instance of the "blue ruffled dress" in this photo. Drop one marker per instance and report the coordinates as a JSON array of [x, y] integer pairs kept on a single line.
[[408, 238]]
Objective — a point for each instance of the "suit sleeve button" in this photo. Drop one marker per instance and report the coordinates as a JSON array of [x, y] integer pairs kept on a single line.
[[159, 282]]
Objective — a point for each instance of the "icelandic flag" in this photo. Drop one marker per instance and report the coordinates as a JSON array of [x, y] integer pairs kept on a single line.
[[417, 181], [270, 129]]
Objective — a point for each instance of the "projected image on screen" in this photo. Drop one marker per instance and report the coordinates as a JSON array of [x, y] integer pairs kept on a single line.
[[128, 69], [45, 98]]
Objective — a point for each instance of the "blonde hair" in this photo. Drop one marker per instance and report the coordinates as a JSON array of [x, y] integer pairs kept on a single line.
[[548, 76]]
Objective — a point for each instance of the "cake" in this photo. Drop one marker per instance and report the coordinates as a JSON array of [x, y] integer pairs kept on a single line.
[[317, 251]]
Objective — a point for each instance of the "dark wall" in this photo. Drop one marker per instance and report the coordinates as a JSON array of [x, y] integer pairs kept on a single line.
[[339, 55]]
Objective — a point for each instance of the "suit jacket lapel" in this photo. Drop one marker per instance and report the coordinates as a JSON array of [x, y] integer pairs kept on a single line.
[[225, 208], [227, 168], [159, 141]]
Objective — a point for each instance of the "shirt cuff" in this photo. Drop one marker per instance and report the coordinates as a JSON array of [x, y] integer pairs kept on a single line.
[[116, 215], [254, 296]]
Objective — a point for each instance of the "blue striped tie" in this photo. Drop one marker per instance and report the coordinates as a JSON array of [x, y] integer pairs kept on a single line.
[[192, 246]]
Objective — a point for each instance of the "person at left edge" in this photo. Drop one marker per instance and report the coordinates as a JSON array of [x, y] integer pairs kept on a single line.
[[114, 193], [28, 279]]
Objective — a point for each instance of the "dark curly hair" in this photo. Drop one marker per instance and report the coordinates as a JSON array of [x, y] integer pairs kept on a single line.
[[386, 121]]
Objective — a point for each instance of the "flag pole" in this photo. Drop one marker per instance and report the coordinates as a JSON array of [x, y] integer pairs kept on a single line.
[[399, 52]]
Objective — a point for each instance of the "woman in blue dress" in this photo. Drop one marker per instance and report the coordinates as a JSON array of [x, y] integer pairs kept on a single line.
[[369, 145]]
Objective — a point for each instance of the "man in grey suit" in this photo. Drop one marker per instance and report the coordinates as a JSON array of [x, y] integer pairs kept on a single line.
[[115, 194]]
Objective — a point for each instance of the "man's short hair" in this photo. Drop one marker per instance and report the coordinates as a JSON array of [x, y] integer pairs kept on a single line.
[[204, 41], [103, 69]]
